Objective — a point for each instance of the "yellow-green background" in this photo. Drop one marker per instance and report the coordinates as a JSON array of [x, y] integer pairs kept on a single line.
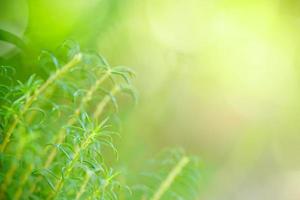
[[219, 78]]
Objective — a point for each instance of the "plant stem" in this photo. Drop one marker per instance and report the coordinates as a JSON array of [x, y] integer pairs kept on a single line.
[[59, 185], [22, 182], [104, 102], [86, 142], [20, 146], [164, 186], [97, 193], [61, 133], [9, 175], [72, 120], [33, 97], [83, 186]]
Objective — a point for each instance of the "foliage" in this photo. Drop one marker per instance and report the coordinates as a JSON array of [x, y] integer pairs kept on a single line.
[[172, 175], [55, 133]]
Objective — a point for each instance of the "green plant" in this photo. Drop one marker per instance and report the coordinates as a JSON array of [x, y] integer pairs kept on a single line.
[[172, 175], [55, 133]]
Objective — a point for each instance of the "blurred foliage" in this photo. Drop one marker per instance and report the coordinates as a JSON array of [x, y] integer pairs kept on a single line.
[[220, 78]]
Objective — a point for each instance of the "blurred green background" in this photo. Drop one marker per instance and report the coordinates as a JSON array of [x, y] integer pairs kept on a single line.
[[219, 78]]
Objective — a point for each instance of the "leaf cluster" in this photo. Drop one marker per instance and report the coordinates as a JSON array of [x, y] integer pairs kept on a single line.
[[56, 132]]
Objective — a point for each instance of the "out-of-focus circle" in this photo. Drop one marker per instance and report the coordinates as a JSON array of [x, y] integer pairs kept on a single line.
[[178, 23]]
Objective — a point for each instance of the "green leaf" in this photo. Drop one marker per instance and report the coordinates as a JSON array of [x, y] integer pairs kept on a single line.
[[12, 38]]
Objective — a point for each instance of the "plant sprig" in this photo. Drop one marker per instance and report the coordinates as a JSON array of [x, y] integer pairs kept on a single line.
[[56, 133]]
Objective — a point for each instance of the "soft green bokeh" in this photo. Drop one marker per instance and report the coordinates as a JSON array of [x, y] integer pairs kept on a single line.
[[219, 78]]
